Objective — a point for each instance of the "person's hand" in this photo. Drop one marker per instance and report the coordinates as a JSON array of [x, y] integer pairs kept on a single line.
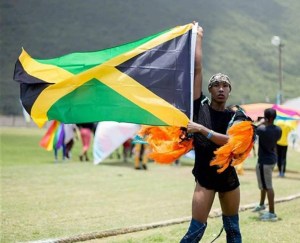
[[193, 127], [261, 121], [198, 62], [199, 30]]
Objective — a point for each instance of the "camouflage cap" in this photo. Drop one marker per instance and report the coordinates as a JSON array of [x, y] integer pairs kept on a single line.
[[219, 77]]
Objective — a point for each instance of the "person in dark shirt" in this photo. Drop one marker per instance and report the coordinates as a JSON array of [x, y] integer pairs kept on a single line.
[[209, 126], [268, 135]]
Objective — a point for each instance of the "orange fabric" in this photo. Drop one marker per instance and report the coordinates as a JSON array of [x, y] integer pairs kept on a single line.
[[238, 147], [166, 143]]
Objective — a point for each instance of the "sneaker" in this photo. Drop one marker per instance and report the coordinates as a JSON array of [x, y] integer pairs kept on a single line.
[[268, 217], [259, 208], [262, 212]]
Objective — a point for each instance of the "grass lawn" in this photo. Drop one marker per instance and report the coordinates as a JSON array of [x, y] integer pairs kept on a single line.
[[41, 199]]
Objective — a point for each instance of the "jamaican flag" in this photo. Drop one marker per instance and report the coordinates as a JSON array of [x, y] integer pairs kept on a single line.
[[148, 81]]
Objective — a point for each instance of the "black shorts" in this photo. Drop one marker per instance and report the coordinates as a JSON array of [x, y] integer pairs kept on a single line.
[[220, 182]]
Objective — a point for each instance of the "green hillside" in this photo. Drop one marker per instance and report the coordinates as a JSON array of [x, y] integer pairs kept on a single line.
[[237, 37]]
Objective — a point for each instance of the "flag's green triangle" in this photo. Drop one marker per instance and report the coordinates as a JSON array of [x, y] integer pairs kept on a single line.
[[97, 102], [81, 61]]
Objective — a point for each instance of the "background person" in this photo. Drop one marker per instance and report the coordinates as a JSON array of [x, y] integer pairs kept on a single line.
[[127, 152], [70, 135], [294, 138], [268, 135], [86, 131], [56, 148], [282, 145], [141, 152]]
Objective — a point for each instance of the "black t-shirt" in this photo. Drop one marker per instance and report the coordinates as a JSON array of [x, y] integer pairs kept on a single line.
[[267, 139], [206, 175], [219, 123]]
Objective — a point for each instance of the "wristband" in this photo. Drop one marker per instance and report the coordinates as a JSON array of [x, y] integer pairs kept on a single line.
[[210, 134]]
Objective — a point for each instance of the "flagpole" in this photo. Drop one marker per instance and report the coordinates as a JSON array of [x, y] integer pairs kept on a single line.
[[193, 48]]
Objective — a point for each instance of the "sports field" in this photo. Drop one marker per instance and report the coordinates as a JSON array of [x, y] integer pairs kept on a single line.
[[43, 200]]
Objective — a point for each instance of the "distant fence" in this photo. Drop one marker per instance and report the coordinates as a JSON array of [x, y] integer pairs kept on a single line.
[[15, 121]]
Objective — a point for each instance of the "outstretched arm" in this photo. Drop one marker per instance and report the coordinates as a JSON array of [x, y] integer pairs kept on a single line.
[[198, 64], [193, 127]]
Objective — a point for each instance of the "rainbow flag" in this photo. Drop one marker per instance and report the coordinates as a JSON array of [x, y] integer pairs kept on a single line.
[[54, 137], [283, 113], [148, 81]]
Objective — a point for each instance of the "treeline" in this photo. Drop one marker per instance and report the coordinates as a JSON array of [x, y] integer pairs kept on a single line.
[[237, 38]]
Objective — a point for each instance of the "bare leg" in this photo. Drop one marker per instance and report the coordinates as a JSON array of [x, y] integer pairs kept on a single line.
[[262, 197], [271, 195], [202, 203], [230, 202], [137, 152]]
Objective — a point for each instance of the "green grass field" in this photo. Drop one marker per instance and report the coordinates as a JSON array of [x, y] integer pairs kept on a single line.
[[42, 200]]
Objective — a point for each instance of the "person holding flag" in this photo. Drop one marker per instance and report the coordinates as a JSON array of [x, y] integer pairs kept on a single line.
[[209, 126]]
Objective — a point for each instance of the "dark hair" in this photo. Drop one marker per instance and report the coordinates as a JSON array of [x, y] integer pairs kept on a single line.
[[270, 114]]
